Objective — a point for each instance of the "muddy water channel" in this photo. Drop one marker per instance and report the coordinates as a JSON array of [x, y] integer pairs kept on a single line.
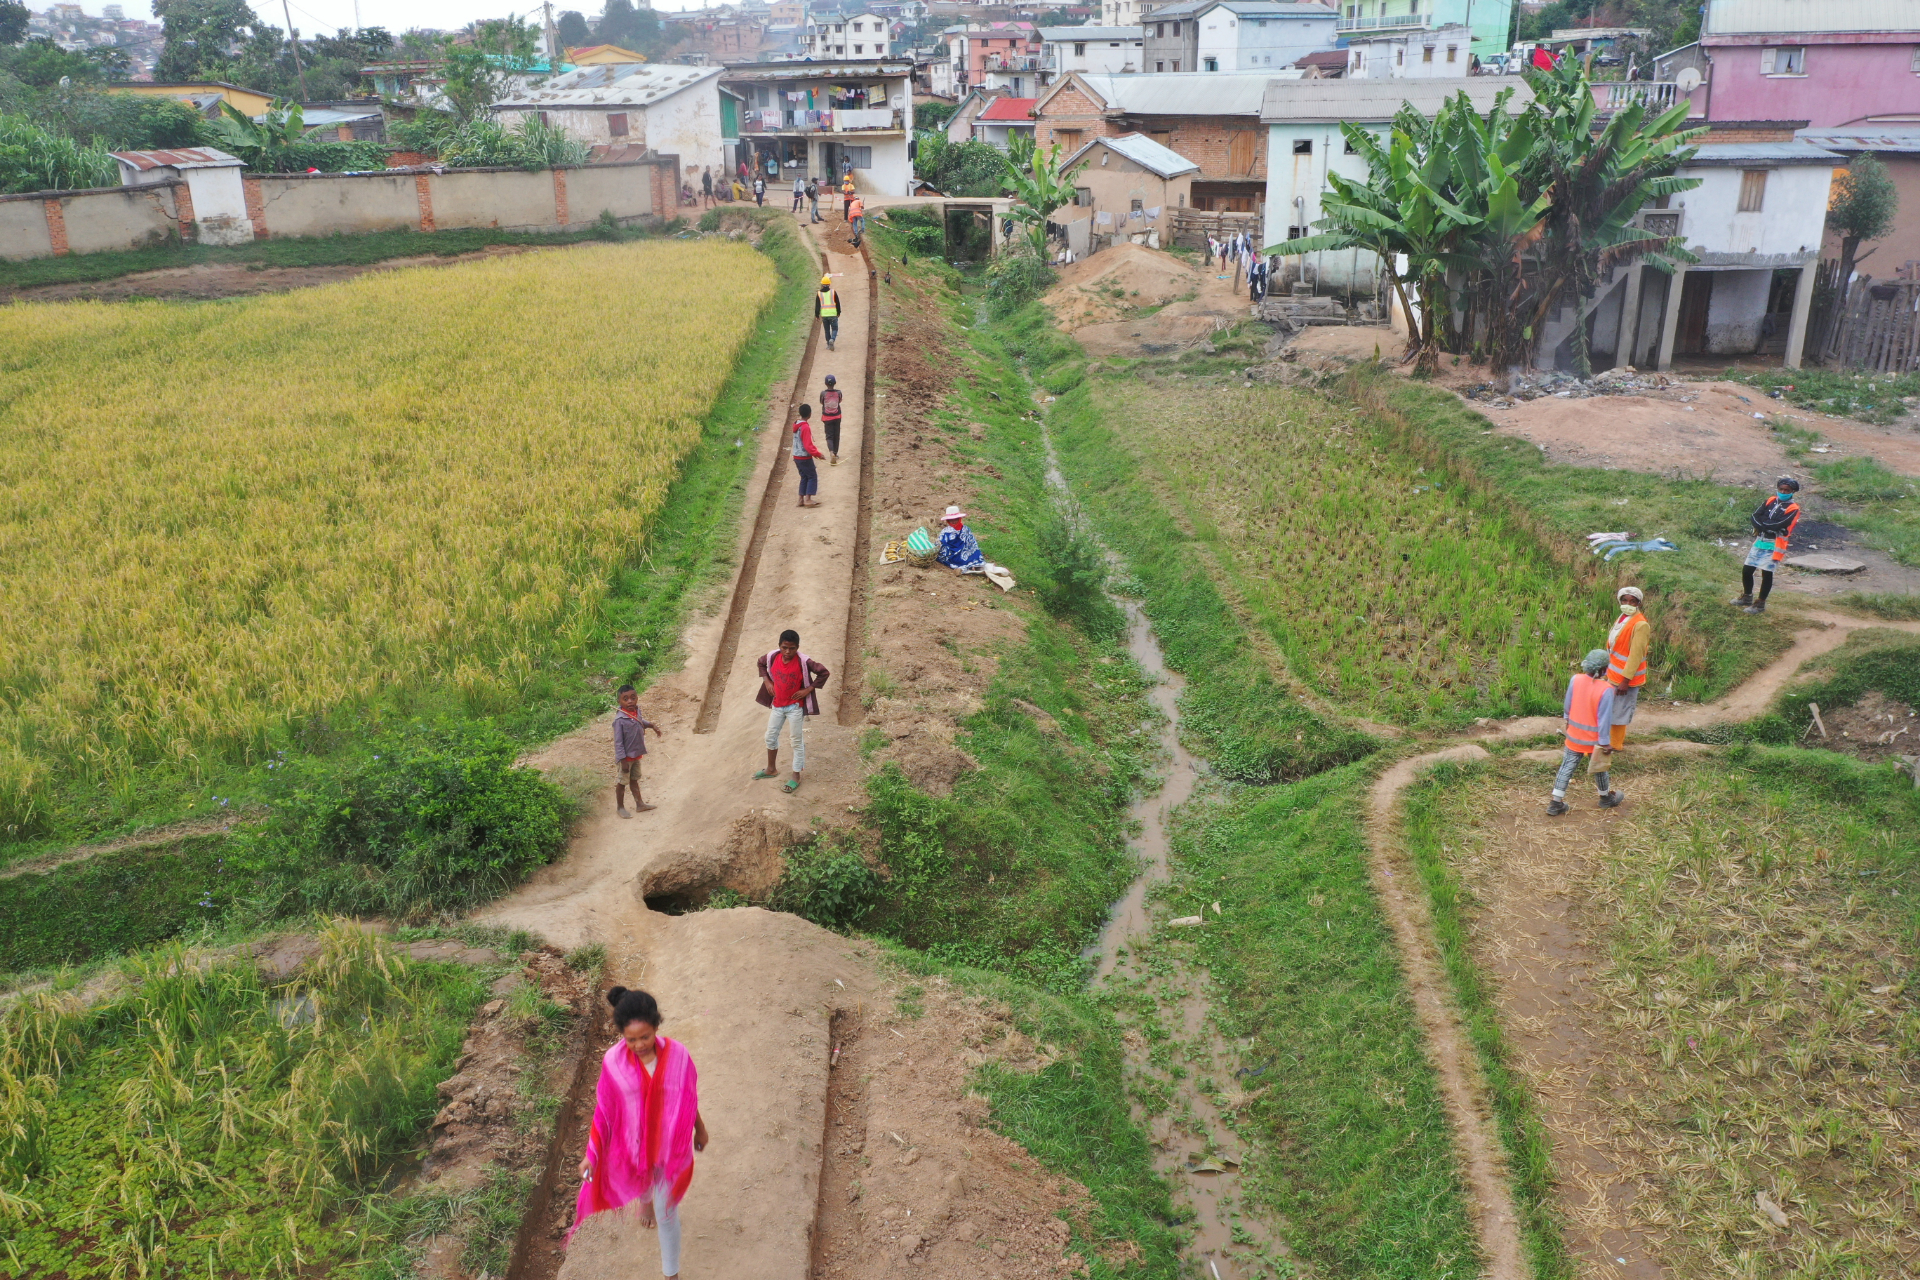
[[1185, 1078]]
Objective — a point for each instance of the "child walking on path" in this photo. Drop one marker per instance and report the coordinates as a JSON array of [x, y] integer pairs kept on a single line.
[[1589, 714], [804, 452], [646, 1126], [830, 419], [788, 681], [629, 747]]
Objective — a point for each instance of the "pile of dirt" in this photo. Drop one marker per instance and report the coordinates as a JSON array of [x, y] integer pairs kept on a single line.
[[1115, 282], [911, 1174]]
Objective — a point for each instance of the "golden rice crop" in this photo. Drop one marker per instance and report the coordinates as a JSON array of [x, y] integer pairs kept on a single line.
[[218, 517]]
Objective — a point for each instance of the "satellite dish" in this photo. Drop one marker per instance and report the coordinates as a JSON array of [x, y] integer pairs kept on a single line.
[[1687, 80]]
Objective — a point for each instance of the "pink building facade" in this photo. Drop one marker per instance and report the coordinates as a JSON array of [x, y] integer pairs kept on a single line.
[[1831, 63]]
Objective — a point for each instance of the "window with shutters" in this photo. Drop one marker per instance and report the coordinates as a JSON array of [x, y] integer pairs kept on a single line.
[[617, 124], [1788, 60], [1176, 64], [1176, 33], [1453, 51], [1753, 190], [1083, 197], [1426, 55]]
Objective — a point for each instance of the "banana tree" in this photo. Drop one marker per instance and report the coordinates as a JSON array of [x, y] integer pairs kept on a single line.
[[1596, 181], [261, 143], [1038, 191]]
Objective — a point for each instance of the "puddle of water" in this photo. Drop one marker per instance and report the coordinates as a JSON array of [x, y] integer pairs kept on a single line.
[[1195, 1146]]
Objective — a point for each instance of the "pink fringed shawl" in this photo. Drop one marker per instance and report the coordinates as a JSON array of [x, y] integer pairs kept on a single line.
[[642, 1128]]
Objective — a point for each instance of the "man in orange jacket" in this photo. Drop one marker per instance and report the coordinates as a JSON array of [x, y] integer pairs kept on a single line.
[[1589, 714], [1627, 660], [1772, 528]]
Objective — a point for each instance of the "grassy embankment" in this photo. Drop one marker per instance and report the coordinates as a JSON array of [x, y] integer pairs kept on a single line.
[[665, 544], [1349, 1153], [1753, 923]]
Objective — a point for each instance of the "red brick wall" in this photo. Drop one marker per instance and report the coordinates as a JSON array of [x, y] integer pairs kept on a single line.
[[1070, 110], [1209, 141], [56, 226], [183, 210], [256, 207], [423, 191], [560, 196]]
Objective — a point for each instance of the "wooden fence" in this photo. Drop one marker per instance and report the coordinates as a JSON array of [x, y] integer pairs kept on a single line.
[[1191, 227], [1877, 328]]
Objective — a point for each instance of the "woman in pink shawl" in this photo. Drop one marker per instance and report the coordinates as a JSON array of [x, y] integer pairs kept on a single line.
[[646, 1126]]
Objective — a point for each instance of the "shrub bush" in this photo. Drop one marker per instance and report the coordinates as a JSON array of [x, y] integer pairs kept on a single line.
[[827, 882], [1015, 279], [920, 229], [427, 820], [1074, 587]]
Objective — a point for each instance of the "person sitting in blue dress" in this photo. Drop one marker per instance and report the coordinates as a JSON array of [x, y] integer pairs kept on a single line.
[[959, 549]]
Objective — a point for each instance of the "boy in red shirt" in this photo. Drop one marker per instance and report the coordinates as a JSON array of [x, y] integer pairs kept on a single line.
[[788, 681], [804, 452], [629, 745]]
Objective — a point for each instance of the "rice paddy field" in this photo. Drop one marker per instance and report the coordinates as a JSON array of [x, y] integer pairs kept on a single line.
[[220, 519], [209, 1123], [1390, 589], [1732, 1094]]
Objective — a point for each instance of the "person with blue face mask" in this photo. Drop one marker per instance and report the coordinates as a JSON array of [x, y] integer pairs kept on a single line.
[[1772, 526]]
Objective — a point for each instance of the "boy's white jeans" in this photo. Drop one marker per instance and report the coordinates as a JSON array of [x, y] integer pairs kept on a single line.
[[668, 1216], [795, 715]]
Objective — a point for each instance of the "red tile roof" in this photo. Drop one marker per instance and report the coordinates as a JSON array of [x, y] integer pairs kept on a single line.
[[1325, 58], [1009, 109]]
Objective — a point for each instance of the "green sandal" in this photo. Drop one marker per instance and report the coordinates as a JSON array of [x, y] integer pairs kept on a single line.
[[764, 774], [792, 786]]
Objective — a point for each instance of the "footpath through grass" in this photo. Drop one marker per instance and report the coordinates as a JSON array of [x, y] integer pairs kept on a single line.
[[1754, 920]]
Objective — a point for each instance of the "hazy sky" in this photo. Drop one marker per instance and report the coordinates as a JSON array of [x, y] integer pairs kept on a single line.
[[394, 15]]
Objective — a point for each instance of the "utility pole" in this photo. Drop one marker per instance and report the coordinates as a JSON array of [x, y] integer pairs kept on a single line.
[[293, 39], [553, 40]]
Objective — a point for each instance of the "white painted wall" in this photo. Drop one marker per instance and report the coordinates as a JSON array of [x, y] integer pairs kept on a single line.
[[1291, 176], [1260, 44], [1791, 222], [1107, 57], [1404, 57], [219, 205], [687, 124]]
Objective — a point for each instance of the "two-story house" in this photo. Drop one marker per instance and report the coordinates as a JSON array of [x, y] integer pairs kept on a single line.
[[839, 35], [998, 55], [1411, 53], [1236, 35], [1211, 118], [1837, 62], [825, 118], [675, 110], [1106, 50], [1488, 19]]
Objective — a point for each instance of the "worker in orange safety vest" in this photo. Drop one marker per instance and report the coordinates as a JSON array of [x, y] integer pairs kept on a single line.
[[1588, 710], [1772, 528], [1627, 660]]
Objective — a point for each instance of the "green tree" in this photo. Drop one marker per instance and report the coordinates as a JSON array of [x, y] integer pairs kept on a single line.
[[573, 28], [630, 28], [201, 37], [476, 74], [1038, 191], [13, 22], [42, 64], [971, 168], [1862, 207]]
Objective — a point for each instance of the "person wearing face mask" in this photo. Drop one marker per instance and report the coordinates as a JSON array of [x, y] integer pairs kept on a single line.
[[1626, 663], [1772, 527]]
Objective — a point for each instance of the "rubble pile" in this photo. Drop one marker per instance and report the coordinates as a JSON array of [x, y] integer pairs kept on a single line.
[[1622, 381]]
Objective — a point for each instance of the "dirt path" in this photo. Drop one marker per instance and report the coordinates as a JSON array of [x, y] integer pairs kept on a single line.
[[751, 993], [1463, 1091]]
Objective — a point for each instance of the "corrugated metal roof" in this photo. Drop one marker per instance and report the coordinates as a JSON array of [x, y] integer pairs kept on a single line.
[[1181, 93], [1900, 138], [1277, 9], [613, 84], [182, 158], [320, 117], [835, 69], [1143, 151], [1090, 33], [1372, 101], [1324, 58], [1005, 109], [1713, 154]]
